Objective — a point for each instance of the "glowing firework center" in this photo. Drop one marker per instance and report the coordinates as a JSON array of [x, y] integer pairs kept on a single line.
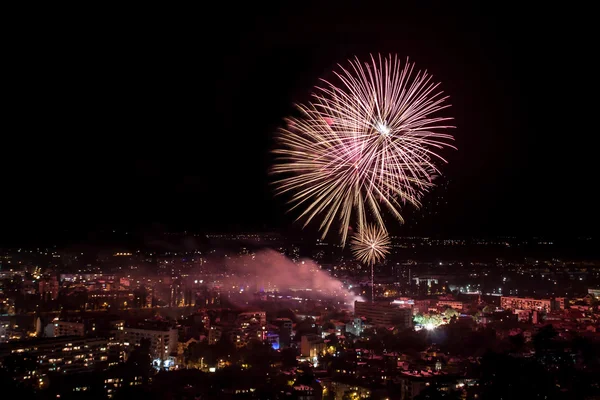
[[382, 128]]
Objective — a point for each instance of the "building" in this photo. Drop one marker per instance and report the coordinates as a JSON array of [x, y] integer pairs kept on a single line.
[[383, 314], [421, 306], [316, 315], [404, 302], [214, 334], [102, 299], [306, 392], [273, 339], [338, 389], [356, 326], [413, 383], [259, 317], [48, 288], [523, 315], [311, 346], [4, 330], [286, 331], [64, 328], [425, 281], [523, 303], [457, 305], [94, 383], [559, 303], [284, 324], [64, 355], [117, 325], [163, 341], [206, 297], [594, 292]]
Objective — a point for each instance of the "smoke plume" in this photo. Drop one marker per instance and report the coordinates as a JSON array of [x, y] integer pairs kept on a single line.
[[276, 271]]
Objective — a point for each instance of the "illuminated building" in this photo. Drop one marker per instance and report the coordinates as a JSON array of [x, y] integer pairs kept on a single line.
[[421, 306], [64, 328], [594, 292], [163, 342], [259, 317], [559, 303], [425, 281], [404, 302], [311, 346], [4, 330], [339, 389], [384, 314], [117, 325], [273, 339], [206, 297], [356, 326], [523, 303], [65, 355], [457, 305], [49, 288], [306, 392], [214, 334], [113, 298], [108, 382], [113, 382]]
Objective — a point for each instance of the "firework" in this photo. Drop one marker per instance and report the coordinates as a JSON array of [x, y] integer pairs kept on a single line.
[[370, 245], [365, 144]]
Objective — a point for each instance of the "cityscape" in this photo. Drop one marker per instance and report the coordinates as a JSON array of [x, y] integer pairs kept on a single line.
[[300, 201], [259, 315]]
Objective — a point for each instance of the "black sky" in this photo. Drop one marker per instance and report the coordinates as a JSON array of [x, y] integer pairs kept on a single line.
[[133, 118]]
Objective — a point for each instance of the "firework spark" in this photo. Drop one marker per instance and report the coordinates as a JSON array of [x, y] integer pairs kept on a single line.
[[370, 245], [366, 144]]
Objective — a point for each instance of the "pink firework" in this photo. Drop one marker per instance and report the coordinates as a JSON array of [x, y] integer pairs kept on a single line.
[[368, 143]]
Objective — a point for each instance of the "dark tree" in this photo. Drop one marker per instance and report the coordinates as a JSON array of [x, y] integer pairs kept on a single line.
[[139, 297], [506, 377], [305, 327], [517, 343], [543, 340], [433, 392], [140, 359], [258, 355], [288, 357], [15, 366]]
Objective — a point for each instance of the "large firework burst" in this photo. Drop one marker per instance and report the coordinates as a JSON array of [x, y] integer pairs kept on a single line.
[[370, 245], [362, 145]]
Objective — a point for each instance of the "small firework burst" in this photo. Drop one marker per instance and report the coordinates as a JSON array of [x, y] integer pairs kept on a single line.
[[370, 245]]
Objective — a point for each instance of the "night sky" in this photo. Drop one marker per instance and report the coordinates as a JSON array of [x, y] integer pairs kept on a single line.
[[167, 118]]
